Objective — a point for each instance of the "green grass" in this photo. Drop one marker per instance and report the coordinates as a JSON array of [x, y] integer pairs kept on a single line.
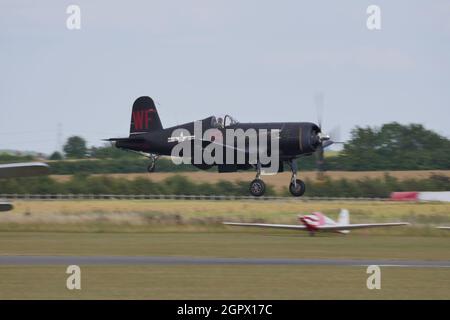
[[191, 215], [222, 282], [225, 281], [193, 228], [267, 243]]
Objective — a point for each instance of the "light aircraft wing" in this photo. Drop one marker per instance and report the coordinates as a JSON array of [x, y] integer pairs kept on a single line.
[[342, 227], [16, 170], [444, 228], [5, 206], [267, 225]]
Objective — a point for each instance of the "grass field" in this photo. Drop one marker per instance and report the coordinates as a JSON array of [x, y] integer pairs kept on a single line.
[[227, 281], [193, 228], [229, 244], [185, 215], [222, 282]]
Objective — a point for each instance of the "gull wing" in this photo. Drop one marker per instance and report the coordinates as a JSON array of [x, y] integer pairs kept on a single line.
[[248, 149]]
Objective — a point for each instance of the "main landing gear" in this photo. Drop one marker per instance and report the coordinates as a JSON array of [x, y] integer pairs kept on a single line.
[[296, 186], [257, 186], [152, 165]]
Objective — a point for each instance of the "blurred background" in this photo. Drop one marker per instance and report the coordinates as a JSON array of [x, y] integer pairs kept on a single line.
[[383, 93]]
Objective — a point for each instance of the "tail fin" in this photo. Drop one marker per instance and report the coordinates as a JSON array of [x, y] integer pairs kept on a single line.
[[344, 217], [144, 116]]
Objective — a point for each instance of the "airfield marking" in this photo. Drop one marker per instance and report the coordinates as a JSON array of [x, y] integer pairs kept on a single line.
[[149, 260]]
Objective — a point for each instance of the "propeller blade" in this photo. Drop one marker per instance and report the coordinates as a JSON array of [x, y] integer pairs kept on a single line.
[[318, 100], [335, 133], [327, 143]]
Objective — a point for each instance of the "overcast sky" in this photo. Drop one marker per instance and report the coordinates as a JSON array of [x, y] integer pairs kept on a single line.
[[256, 60]]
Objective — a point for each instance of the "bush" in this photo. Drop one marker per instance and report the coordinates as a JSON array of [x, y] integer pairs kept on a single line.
[[180, 185]]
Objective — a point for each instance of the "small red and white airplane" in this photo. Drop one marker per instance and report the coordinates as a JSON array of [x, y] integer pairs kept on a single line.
[[317, 221]]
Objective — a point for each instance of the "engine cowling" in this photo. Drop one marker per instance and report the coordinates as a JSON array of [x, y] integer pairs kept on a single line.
[[302, 138]]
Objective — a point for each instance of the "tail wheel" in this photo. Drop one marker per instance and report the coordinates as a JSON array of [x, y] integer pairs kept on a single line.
[[297, 189], [257, 187], [151, 167]]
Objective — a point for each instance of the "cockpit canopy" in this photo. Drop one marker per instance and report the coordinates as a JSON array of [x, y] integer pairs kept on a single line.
[[223, 121]]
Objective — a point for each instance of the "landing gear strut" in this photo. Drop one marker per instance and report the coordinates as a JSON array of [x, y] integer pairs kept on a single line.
[[296, 187], [151, 166], [257, 186]]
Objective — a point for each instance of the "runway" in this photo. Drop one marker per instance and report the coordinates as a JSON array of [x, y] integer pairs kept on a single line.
[[153, 260]]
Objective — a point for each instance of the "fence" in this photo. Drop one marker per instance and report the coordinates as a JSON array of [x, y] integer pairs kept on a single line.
[[172, 197]]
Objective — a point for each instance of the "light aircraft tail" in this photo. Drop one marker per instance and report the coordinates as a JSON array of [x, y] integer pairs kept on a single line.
[[344, 217], [144, 116]]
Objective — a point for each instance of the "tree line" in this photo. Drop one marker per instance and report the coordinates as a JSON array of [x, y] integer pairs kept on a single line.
[[392, 146]]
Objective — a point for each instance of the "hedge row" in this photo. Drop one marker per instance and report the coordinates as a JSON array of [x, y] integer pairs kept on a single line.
[[83, 184]]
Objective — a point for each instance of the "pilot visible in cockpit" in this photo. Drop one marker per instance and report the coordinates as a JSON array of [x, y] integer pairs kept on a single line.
[[220, 122]]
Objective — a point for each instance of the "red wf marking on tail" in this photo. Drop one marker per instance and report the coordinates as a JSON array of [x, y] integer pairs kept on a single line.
[[141, 118]]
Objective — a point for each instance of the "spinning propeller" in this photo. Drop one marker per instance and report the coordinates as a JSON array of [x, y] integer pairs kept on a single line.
[[325, 140]]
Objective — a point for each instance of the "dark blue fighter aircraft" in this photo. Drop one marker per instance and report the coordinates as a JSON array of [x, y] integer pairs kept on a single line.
[[295, 139]]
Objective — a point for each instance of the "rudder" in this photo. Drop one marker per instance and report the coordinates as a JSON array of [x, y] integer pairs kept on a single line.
[[144, 116], [344, 217]]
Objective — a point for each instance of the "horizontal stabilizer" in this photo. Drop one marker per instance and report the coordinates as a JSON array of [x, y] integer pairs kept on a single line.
[[126, 140]]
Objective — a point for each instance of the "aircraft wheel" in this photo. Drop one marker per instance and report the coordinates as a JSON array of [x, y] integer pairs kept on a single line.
[[299, 189], [257, 187]]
